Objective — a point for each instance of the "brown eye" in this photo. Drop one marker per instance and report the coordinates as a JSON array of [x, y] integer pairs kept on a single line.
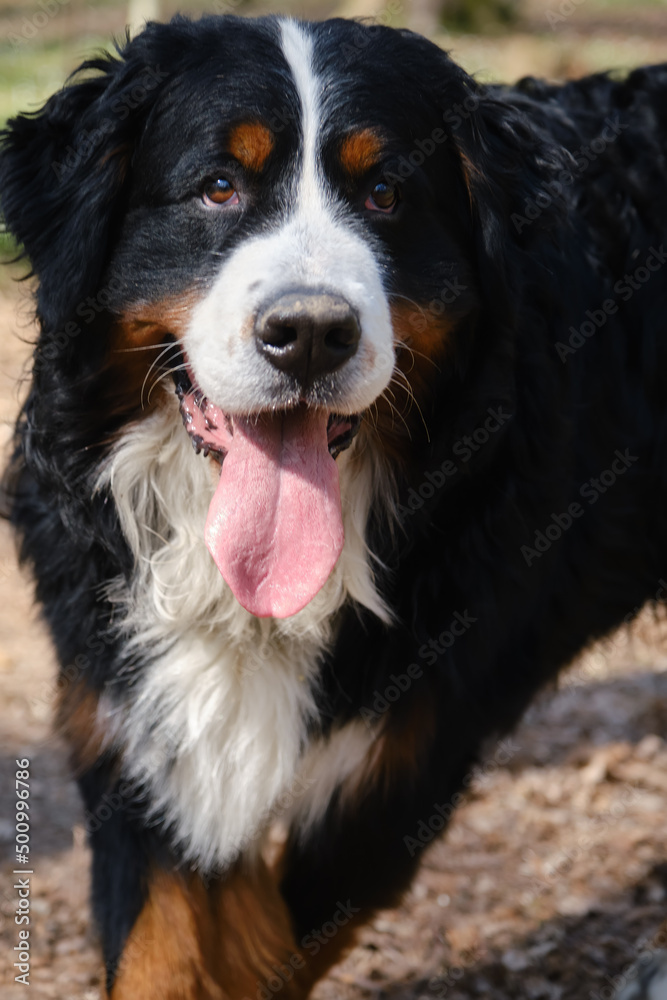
[[220, 192], [382, 198]]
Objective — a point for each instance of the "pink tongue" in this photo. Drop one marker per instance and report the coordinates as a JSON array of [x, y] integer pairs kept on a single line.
[[274, 526]]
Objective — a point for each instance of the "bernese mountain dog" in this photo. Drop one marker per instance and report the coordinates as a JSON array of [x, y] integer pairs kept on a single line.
[[347, 428]]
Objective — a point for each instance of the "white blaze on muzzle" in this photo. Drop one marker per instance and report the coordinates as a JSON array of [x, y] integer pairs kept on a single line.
[[274, 525]]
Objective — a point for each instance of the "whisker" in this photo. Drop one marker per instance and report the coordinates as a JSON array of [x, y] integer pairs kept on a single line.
[[374, 414], [398, 295], [165, 374], [400, 378], [397, 412], [401, 345], [174, 347], [412, 399], [147, 347]]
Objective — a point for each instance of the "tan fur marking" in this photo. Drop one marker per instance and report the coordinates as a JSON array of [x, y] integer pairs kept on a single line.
[[472, 175], [77, 720], [396, 418], [191, 942], [360, 151], [164, 955], [404, 744], [422, 330], [147, 322], [123, 156], [251, 144], [334, 951], [134, 365]]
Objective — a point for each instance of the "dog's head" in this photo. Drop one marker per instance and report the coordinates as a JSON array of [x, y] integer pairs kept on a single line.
[[305, 225]]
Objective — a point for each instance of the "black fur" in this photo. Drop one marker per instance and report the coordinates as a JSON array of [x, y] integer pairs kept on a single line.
[[539, 232]]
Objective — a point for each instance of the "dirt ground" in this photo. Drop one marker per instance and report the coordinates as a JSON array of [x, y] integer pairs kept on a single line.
[[551, 879]]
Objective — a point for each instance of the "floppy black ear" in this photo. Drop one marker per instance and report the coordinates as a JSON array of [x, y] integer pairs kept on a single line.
[[518, 176], [62, 171]]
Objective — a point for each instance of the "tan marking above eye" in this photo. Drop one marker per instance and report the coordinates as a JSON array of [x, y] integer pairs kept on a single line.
[[360, 151], [251, 144]]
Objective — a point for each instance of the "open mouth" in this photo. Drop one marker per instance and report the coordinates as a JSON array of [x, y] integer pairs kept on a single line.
[[211, 430], [275, 523]]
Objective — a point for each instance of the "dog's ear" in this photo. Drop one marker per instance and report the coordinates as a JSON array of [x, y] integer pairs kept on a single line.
[[63, 170], [517, 177]]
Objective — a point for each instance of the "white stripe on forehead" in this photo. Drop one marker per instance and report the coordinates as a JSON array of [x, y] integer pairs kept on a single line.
[[312, 243], [298, 51]]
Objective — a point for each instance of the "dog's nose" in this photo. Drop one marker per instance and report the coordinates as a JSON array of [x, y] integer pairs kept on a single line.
[[308, 334]]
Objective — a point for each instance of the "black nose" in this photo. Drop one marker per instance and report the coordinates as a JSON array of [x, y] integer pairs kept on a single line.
[[308, 334]]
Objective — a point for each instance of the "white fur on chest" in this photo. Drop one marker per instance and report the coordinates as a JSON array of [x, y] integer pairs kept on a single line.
[[216, 725]]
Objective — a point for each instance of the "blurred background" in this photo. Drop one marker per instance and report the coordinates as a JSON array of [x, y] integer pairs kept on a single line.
[[552, 879], [41, 41]]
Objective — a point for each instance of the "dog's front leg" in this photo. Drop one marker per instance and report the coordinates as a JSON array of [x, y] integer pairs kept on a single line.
[[213, 939]]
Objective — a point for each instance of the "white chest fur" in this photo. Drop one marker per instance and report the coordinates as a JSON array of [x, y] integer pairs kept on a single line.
[[216, 725]]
